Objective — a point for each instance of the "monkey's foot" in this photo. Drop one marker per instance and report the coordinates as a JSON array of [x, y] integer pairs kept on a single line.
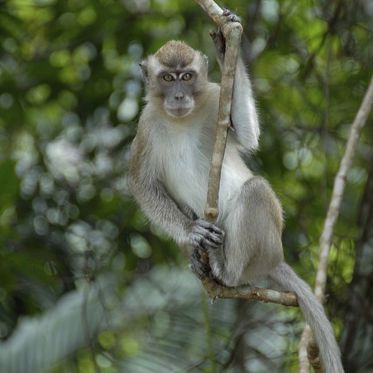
[[201, 269]]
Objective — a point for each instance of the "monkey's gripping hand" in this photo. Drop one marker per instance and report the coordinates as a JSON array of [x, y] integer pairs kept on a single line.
[[204, 235], [218, 37]]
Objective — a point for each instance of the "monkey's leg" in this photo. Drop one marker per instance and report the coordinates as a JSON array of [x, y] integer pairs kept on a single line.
[[253, 226]]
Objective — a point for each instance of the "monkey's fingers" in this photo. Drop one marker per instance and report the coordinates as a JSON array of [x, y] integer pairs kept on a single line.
[[209, 238], [210, 242], [205, 235], [198, 241], [216, 230], [211, 227], [205, 241], [232, 17]]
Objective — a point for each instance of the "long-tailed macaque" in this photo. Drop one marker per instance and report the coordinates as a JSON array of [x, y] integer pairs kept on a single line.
[[169, 167]]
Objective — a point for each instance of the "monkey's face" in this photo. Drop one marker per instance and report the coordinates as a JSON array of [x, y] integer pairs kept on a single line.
[[175, 75], [177, 89]]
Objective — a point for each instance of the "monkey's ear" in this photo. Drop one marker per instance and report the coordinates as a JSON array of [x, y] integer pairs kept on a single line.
[[144, 69]]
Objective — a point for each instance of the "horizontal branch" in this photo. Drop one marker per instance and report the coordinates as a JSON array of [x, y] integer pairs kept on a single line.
[[216, 290]]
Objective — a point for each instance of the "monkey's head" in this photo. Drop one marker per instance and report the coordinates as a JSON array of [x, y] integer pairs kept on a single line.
[[175, 74]]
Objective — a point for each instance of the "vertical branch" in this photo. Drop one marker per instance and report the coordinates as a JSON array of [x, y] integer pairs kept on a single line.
[[335, 204], [304, 363], [232, 32]]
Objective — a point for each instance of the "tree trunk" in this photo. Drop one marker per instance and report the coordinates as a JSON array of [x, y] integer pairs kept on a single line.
[[357, 336]]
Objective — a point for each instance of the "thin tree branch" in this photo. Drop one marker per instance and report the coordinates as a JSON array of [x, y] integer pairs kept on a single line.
[[335, 203], [250, 293], [304, 363], [232, 32]]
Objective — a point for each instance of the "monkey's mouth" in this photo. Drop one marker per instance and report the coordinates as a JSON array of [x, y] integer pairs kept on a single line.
[[179, 112]]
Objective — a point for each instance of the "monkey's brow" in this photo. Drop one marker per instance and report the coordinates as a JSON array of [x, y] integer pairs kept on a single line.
[[173, 63], [177, 71]]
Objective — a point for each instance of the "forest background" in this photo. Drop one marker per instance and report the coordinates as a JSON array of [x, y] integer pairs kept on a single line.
[[86, 285]]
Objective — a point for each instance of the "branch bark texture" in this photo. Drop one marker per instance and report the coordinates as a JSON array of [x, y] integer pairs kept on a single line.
[[334, 208], [250, 293]]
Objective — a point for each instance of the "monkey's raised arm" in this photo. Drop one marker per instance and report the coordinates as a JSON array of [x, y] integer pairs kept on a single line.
[[244, 116], [161, 209], [243, 112]]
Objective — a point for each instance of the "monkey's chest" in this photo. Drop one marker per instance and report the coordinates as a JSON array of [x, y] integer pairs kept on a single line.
[[186, 166], [185, 169]]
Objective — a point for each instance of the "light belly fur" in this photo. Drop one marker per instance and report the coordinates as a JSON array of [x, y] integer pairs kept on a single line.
[[189, 184]]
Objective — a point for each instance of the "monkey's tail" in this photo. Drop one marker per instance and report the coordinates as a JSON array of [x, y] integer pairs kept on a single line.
[[284, 276]]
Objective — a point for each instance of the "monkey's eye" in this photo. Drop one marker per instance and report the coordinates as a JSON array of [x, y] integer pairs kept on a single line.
[[187, 76], [168, 77]]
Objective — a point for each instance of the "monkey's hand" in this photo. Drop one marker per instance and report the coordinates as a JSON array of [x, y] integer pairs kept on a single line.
[[230, 16], [218, 36], [204, 235]]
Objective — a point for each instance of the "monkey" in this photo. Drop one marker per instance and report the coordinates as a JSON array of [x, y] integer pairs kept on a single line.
[[168, 177]]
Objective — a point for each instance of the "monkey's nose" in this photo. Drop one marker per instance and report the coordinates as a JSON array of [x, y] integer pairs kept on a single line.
[[179, 96]]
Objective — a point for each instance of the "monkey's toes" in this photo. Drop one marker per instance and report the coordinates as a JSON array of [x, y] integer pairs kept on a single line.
[[201, 269]]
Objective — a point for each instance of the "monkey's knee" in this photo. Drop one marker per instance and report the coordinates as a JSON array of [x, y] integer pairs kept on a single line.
[[262, 203], [262, 228]]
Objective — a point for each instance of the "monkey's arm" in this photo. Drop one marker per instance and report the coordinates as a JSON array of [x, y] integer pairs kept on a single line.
[[162, 210], [243, 114]]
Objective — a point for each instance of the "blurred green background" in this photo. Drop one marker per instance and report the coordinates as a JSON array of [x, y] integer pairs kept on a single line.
[[86, 285]]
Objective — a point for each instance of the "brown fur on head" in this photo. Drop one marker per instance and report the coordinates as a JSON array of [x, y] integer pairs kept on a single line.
[[175, 54]]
